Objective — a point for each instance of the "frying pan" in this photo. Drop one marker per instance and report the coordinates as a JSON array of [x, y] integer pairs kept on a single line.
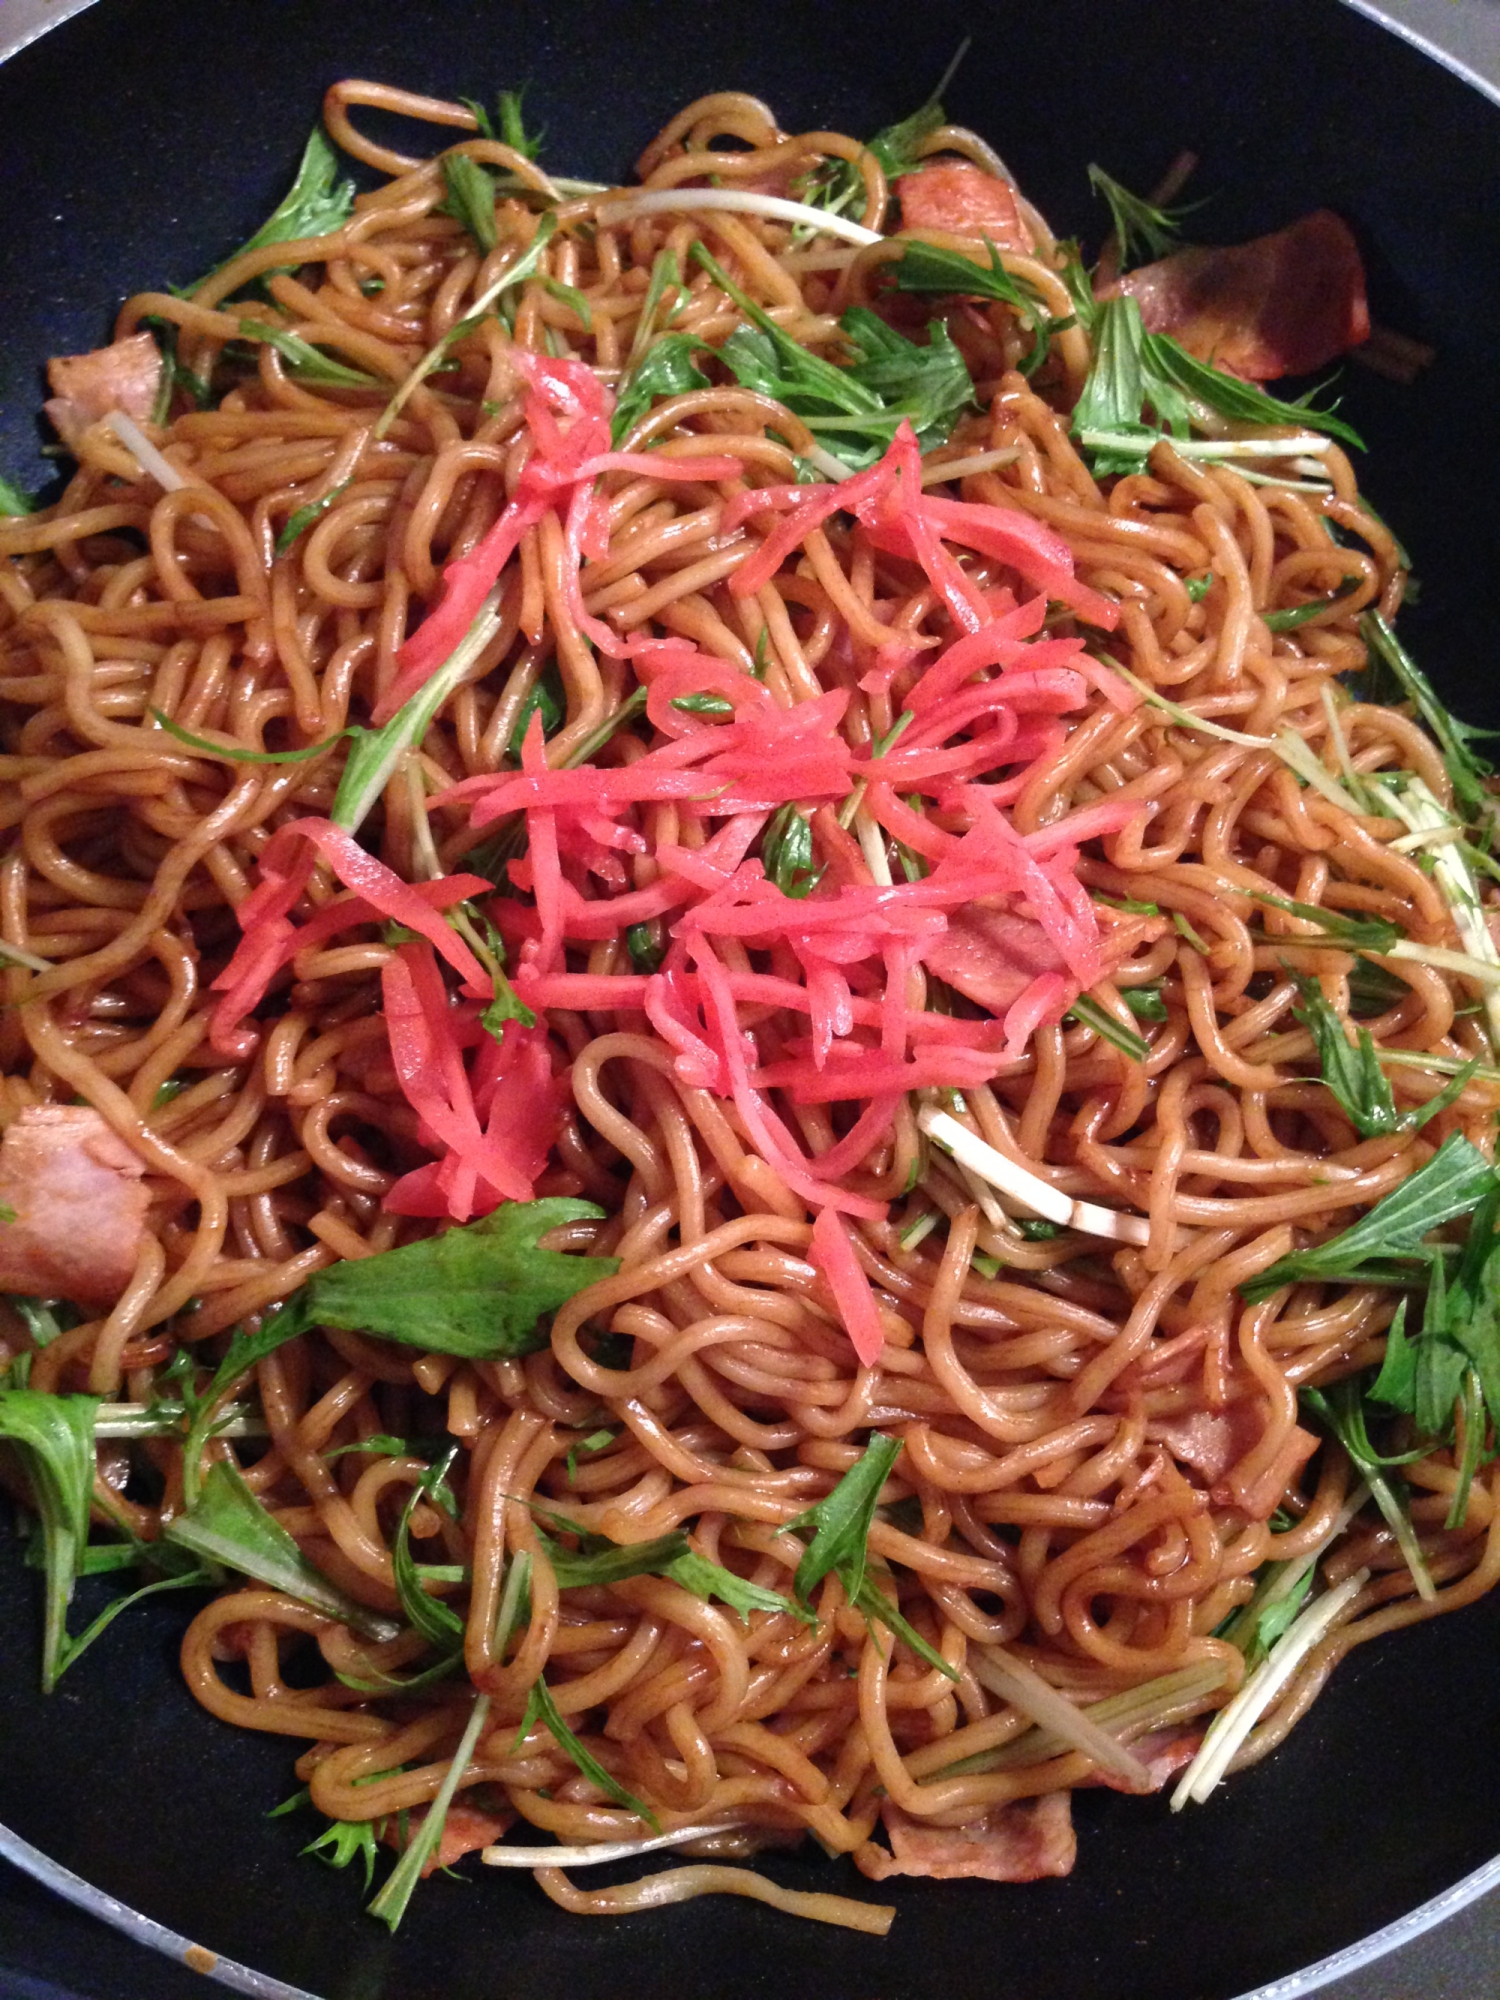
[[139, 141]]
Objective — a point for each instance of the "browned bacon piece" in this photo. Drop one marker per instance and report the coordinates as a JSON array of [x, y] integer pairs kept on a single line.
[[79, 1206], [85, 387], [1284, 304], [1014, 1843], [992, 956], [465, 1831], [963, 200]]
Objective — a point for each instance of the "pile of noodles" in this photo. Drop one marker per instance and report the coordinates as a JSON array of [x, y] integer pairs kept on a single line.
[[1036, 1513]]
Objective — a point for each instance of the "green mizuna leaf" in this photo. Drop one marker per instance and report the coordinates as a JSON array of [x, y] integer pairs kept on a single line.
[[786, 852], [572, 298], [841, 1522], [508, 124], [924, 267], [233, 754], [344, 1841], [205, 1409], [390, 1904], [53, 1436], [478, 1290], [316, 204], [228, 1525], [1298, 614], [837, 185], [703, 704], [433, 1617], [1396, 1383], [1138, 224], [1463, 1315], [299, 522], [13, 501], [598, 1561], [471, 199], [872, 1601], [1353, 1072], [928, 385], [525, 266], [646, 945], [1145, 1002], [857, 407], [667, 368], [1276, 1618], [1168, 362], [1401, 678], [304, 360], [1341, 1411], [1135, 372], [1089, 1014], [540, 1707], [1363, 933], [710, 1579], [1115, 388], [1389, 1245], [545, 695], [377, 752]]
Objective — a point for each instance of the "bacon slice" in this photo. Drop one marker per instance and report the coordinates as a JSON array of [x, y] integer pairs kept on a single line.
[[79, 1203], [1211, 1441], [1284, 304], [126, 376], [465, 1830], [992, 956], [1215, 1442], [1164, 1753], [1014, 1843], [963, 200]]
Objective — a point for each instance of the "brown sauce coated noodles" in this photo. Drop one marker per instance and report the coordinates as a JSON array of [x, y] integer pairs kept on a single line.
[[1037, 1511]]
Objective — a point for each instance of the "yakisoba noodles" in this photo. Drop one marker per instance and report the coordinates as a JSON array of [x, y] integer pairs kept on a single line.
[[927, 844]]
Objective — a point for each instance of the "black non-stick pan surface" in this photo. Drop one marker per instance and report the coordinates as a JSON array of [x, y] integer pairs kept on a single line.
[[141, 141]]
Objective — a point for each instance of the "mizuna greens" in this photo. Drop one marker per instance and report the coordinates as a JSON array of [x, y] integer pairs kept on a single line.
[[749, 1055]]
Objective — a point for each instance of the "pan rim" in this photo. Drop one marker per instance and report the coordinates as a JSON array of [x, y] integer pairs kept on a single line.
[[1463, 37]]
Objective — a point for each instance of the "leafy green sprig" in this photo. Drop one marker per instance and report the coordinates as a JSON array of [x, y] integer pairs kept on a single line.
[[316, 204], [1389, 1246], [1139, 225], [840, 1524], [1353, 1073]]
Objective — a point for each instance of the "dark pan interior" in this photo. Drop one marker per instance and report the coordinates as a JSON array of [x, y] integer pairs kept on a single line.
[[141, 141]]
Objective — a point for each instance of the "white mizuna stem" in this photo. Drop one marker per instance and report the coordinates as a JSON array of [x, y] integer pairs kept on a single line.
[[1275, 479], [12, 954], [1483, 971], [1415, 804], [1170, 1698], [872, 846], [1003, 1674], [965, 468], [832, 468], [145, 453], [417, 713], [683, 201], [1234, 1723], [1300, 757], [1413, 843], [1185, 717], [1210, 449], [1036, 1196], [129, 1420], [597, 1853]]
